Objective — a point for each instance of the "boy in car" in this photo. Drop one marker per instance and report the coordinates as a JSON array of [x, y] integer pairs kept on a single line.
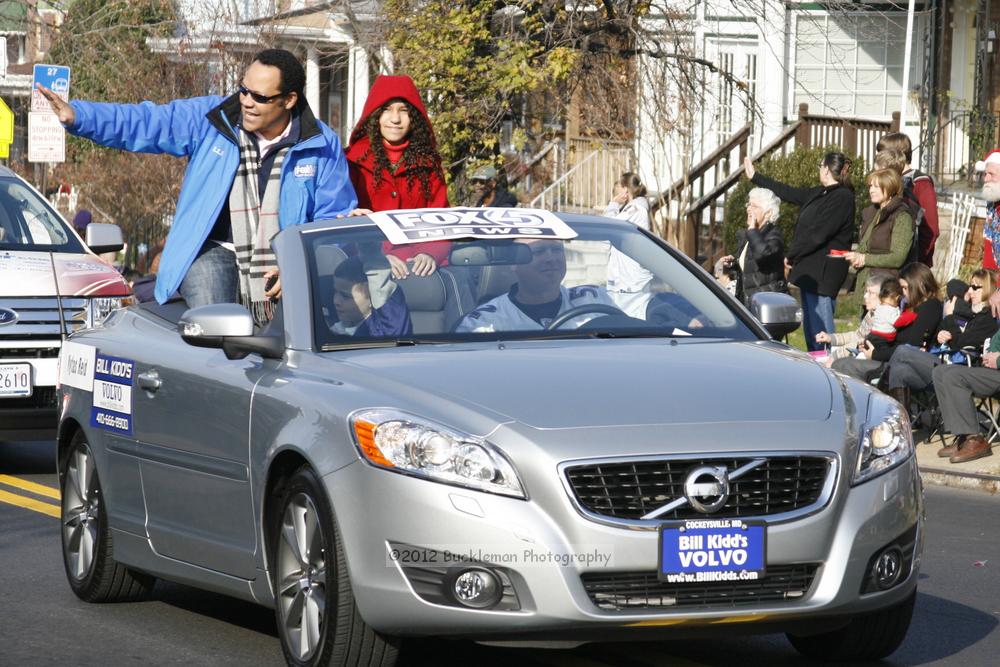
[[366, 302]]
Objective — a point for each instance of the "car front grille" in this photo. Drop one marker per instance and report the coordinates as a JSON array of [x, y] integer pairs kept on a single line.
[[41, 397], [39, 320], [638, 591], [628, 490], [29, 352]]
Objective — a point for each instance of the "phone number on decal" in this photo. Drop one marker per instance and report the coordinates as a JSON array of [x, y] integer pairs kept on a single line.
[[112, 421]]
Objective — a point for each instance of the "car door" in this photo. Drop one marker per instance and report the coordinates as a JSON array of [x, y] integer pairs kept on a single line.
[[191, 429]]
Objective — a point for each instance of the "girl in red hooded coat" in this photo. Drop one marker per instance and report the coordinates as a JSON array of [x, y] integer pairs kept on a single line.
[[394, 164]]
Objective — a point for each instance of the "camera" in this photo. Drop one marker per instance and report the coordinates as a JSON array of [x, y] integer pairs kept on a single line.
[[730, 269]]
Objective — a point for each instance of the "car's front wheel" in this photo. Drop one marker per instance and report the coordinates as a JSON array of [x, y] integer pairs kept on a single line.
[[318, 621], [867, 637], [93, 573]]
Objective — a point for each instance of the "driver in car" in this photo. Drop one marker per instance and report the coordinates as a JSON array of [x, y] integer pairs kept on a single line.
[[538, 297]]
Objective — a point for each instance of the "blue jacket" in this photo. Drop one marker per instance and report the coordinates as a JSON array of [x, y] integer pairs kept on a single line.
[[314, 180]]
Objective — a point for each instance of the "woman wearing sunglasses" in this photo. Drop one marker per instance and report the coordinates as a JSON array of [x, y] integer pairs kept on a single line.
[[394, 164], [968, 322]]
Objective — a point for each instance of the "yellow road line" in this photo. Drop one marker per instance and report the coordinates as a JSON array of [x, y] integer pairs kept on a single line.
[[29, 503], [24, 484]]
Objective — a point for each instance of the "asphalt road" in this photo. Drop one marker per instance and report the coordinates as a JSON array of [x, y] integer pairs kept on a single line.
[[43, 623]]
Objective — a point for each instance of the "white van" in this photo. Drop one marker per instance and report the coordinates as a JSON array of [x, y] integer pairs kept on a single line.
[[51, 285]]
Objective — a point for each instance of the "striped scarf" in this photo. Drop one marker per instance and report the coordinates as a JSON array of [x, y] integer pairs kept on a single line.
[[255, 223]]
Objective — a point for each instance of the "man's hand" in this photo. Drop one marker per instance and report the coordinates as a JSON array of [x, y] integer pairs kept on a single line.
[[64, 112], [823, 337], [271, 278], [356, 212], [748, 167], [944, 336], [868, 349], [995, 303], [990, 359]]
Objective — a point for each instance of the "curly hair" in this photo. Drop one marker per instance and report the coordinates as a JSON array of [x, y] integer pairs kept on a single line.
[[420, 159]]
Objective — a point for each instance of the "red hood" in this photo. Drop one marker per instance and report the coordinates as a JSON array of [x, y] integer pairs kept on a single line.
[[384, 89]]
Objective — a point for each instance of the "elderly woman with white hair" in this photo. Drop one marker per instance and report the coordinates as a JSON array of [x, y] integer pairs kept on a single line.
[[760, 249]]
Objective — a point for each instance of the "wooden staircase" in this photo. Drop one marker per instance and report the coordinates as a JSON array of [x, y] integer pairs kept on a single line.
[[695, 204]]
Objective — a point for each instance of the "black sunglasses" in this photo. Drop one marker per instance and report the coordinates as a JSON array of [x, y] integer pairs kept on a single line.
[[975, 287], [257, 97]]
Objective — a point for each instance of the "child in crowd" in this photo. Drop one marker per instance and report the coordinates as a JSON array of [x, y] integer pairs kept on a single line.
[[367, 302], [886, 318], [847, 344]]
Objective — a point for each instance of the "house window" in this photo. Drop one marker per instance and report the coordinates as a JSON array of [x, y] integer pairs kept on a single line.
[[851, 63]]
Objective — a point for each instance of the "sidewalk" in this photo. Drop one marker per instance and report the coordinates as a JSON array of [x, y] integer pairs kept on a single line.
[[982, 474]]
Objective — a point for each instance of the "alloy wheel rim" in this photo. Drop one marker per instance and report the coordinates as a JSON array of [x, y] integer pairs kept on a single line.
[[80, 509], [301, 570]]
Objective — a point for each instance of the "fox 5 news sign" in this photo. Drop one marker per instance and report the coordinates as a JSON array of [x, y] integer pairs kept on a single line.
[[431, 224]]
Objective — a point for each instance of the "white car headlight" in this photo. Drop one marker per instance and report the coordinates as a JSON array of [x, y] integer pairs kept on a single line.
[[100, 307], [408, 444], [886, 439]]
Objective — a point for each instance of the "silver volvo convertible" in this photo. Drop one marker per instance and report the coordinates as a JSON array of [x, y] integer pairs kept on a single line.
[[565, 432]]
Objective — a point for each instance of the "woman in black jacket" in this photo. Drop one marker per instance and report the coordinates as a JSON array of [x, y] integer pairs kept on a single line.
[[923, 311], [760, 249], [825, 223], [968, 323]]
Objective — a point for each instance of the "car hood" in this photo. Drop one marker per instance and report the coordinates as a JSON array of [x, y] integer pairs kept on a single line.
[[591, 383], [79, 274]]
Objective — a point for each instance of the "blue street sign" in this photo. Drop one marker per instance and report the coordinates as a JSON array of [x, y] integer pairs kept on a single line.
[[53, 77]]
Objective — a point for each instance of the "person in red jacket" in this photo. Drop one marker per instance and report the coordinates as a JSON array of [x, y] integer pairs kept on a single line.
[[394, 164], [923, 190]]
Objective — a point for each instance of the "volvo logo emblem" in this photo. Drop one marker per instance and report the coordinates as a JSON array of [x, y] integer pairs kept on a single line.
[[707, 488], [7, 316]]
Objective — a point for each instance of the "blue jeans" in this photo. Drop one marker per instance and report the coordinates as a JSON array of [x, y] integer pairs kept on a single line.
[[212, 278], [817, 315]]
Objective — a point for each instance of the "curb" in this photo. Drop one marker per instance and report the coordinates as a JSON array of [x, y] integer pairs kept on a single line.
[[962, 480]]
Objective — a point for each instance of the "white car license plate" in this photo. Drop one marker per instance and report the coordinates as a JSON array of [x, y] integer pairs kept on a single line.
[[706, 550], [15, 380]]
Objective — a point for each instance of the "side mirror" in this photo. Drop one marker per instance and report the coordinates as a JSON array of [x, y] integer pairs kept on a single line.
[[102, 237], [228, 326], [780, 313]]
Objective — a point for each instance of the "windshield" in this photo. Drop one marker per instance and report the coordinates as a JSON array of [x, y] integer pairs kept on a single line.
[[27, 222], [609, 281]]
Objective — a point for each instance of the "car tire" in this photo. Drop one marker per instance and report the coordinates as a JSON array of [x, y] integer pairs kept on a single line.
[[92, 572], [311, 582], [870, 636]]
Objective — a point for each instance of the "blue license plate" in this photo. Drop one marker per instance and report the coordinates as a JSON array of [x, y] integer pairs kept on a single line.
[[707, 550]]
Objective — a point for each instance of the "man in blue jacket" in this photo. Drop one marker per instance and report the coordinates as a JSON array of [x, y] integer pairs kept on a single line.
[[259, 161]]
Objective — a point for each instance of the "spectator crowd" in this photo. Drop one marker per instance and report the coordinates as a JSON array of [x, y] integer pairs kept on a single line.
[[935, 354]]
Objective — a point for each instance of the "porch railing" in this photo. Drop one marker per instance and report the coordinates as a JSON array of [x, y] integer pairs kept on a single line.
[[589, 182], [962, 139], [696, 202]]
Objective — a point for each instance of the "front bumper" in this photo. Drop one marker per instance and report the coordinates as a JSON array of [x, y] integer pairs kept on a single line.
[[553, 602], [34, 417]]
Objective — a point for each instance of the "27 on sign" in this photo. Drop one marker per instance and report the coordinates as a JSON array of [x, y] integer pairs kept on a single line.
[[53, 77]]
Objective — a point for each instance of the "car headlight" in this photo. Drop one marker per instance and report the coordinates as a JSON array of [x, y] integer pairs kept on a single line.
[[886, 439], [407, 444], [100, 307]]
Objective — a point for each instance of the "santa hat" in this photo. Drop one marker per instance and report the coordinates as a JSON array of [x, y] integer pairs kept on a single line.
[[993, 157]]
